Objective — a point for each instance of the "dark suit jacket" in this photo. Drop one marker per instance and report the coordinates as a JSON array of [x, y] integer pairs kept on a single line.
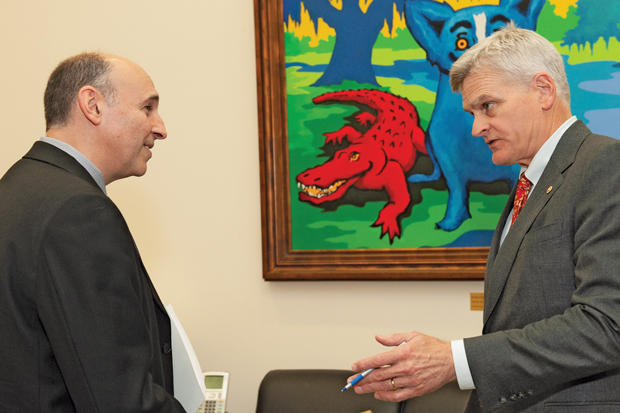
[[551, 335], [83, 329]]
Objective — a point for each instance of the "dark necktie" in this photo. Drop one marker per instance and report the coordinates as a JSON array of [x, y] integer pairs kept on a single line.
[[523, 189]]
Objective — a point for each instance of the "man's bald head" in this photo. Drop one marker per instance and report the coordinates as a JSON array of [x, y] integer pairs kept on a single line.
[[69, 77]]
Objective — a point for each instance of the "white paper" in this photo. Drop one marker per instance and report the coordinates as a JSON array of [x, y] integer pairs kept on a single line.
[[189, 385]]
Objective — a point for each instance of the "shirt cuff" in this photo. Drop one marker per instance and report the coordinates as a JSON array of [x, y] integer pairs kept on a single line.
[[461, 366]]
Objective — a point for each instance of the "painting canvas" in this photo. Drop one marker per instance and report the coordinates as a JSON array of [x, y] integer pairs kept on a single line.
[[454, 201], [379, 151]]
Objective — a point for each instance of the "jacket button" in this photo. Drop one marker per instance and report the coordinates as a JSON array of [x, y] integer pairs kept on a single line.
[[503, 400], [513, 397], [167, 348], [521, 395]]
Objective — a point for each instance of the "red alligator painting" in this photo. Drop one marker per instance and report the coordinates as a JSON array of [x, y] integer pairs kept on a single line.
[[376, 159]]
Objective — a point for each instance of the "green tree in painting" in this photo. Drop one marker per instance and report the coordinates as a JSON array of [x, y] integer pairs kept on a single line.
[[597, 18]]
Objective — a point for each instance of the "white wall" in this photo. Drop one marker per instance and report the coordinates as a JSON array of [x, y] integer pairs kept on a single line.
[[196, 213]]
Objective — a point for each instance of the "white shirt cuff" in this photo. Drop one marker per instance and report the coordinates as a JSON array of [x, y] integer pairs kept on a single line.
[[461, 366]]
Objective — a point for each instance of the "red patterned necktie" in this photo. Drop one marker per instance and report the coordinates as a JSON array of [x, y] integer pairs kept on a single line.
[[523, 189]]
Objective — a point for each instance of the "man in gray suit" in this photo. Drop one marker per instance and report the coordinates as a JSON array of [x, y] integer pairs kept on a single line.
[[83, 329], [551, 335]]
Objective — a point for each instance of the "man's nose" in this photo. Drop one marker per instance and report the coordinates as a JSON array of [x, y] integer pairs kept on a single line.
[[479, 127], [159, 129]]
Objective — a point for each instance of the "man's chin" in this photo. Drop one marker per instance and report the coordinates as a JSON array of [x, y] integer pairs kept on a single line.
[[140, 171], [498, 159]]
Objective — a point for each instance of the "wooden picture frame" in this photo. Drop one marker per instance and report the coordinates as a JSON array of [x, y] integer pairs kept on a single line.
[[305, 240], [280, 261]]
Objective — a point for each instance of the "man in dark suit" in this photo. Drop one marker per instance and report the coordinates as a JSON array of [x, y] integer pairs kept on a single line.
[[551, 335], [83, 329]]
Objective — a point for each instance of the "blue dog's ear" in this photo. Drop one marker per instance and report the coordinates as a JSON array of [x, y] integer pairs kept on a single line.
[[425, 20], [529, 10]]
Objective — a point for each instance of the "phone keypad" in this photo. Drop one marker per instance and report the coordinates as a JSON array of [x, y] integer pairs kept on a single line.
[[214, 406]]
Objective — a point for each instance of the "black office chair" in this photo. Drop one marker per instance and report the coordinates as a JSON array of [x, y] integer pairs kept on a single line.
[[315, 391], [449, 399]]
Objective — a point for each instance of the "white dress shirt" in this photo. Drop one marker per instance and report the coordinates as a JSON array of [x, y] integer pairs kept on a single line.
[[533, 172]]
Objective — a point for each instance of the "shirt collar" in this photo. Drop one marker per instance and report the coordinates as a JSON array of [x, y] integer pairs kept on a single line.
[[541, 159], [84, 161]]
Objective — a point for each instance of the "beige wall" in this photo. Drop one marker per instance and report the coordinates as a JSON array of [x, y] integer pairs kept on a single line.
[[196, 214]]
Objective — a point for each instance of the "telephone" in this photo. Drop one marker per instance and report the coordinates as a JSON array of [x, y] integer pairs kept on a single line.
[[216, 383]]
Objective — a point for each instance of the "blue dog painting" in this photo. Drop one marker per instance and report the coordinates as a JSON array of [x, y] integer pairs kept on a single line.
[[446, 34], [406, 48]]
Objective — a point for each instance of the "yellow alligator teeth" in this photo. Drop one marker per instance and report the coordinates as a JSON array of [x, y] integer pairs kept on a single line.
[[321, 192]]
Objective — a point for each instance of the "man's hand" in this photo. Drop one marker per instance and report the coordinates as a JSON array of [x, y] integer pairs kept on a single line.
[[421, 366]]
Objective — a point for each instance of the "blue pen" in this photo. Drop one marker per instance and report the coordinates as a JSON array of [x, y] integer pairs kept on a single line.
[[360, 376]]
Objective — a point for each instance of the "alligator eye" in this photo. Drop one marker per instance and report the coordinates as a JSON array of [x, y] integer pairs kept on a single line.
[[462, 43], [354, 157]]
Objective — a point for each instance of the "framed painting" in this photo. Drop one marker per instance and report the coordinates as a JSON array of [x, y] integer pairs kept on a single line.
[[368, 167]]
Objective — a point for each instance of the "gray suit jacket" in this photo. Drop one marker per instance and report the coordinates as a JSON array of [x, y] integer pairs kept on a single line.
[[82, 328], [551, 335]]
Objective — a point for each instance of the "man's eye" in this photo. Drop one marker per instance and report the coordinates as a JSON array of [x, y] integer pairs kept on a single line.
[[487, 105]]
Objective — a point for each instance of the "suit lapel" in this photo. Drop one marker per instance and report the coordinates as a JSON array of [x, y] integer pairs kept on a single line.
[[495, 246], [500, 263], [497, 235], [156, 298]]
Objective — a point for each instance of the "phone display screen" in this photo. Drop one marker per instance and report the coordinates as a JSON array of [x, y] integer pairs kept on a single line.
[[214, 382]]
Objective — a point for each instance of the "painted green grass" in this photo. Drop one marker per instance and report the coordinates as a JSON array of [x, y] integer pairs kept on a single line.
[[349, 227]]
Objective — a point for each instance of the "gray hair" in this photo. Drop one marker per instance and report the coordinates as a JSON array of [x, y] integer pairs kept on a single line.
[[91, 69], [518, 53]]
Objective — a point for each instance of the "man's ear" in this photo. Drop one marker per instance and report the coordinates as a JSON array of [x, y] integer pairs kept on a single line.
[[90, 101], [545, 86]]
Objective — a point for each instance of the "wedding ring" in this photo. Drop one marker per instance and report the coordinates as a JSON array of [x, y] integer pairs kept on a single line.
[[393, 386]]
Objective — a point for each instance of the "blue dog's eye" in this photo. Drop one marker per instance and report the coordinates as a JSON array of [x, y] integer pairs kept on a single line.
[[462, 43]]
